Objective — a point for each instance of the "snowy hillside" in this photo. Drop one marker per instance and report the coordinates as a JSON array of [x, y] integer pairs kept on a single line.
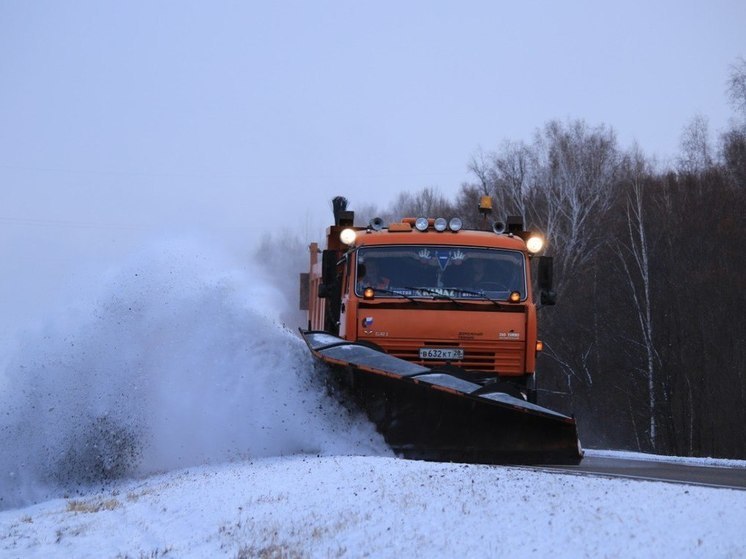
[[307, 506]]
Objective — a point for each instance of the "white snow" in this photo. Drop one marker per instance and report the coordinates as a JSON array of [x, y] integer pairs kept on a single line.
[[709, 462], [175, 380], [337, 506]]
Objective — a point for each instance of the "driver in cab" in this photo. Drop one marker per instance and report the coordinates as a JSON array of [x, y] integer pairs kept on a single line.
[[369, 275]]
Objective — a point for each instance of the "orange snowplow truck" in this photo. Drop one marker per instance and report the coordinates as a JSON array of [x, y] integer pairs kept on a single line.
[[430, 292]]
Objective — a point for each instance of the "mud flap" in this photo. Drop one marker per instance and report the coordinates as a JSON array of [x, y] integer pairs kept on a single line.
[[432, 415]]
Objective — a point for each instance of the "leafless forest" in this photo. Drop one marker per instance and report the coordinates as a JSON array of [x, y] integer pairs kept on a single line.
[[646, 343]]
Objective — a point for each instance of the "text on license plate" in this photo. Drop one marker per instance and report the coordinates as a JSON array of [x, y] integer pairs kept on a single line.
[[441, 353]]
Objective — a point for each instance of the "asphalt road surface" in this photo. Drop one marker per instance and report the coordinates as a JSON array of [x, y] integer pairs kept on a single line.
[[675, 472]]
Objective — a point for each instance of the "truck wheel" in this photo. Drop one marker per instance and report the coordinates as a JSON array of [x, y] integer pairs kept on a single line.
[[527, 386]]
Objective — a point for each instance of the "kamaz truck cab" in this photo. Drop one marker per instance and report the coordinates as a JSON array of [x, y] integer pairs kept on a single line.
[[430, 292]]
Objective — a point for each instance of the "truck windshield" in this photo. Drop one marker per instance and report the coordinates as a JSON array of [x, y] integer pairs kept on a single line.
[[456, 272]]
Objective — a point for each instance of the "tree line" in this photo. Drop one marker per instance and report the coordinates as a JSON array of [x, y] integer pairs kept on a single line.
[[646, 343]]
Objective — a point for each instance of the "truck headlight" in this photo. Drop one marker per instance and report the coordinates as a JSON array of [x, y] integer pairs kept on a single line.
[[347, 236], [534, 244]]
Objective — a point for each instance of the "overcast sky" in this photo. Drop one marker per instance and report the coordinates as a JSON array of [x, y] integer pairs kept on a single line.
[[120, 121]]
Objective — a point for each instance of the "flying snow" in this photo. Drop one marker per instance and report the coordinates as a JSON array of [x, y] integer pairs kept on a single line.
[[176, 359]]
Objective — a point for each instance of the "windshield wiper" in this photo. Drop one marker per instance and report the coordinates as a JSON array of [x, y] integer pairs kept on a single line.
[[437, 295], [392, 292], [478, 294]]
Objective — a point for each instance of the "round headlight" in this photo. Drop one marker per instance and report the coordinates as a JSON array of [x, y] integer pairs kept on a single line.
[[534, 244], [421, 224], [441, 224], [455, 224], [347, 236]]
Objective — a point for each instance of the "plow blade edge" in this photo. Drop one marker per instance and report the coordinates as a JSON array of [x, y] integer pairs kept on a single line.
[[428, 414]]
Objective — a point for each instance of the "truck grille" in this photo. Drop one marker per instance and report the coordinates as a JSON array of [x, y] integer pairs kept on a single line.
[[478, 356]]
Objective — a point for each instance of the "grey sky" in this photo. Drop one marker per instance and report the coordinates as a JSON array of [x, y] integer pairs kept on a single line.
[[123, 120]]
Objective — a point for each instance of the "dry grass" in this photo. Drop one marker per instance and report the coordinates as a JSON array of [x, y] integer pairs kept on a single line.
[[92, 506], [154, 554], [271, 551]]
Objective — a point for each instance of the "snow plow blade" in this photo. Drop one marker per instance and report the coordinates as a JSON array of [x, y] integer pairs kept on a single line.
[[428, 414]]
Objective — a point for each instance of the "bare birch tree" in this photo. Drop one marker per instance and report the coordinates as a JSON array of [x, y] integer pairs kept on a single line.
[[634, 256], [737, 86], [515, 178], [733, 141], [427, 202], [579, 169], [696, 149], [481, 166]]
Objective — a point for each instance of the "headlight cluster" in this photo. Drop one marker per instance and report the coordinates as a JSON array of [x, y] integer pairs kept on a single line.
[[440, 224]]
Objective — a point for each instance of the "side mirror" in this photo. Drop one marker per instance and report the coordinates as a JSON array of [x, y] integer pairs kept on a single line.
[[330, 285], [329, 266], [548, 298], [545, 280]]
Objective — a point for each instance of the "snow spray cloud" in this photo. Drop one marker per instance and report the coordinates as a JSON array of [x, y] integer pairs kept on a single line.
[[175, 362]]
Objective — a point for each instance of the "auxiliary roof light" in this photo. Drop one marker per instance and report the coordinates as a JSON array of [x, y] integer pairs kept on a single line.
[[455, 224], [485, 205], [440, 224], [421, 224], [347, 236], [534, 244]]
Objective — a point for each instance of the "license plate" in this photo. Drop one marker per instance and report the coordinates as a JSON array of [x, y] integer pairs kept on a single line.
[[442, 353]]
